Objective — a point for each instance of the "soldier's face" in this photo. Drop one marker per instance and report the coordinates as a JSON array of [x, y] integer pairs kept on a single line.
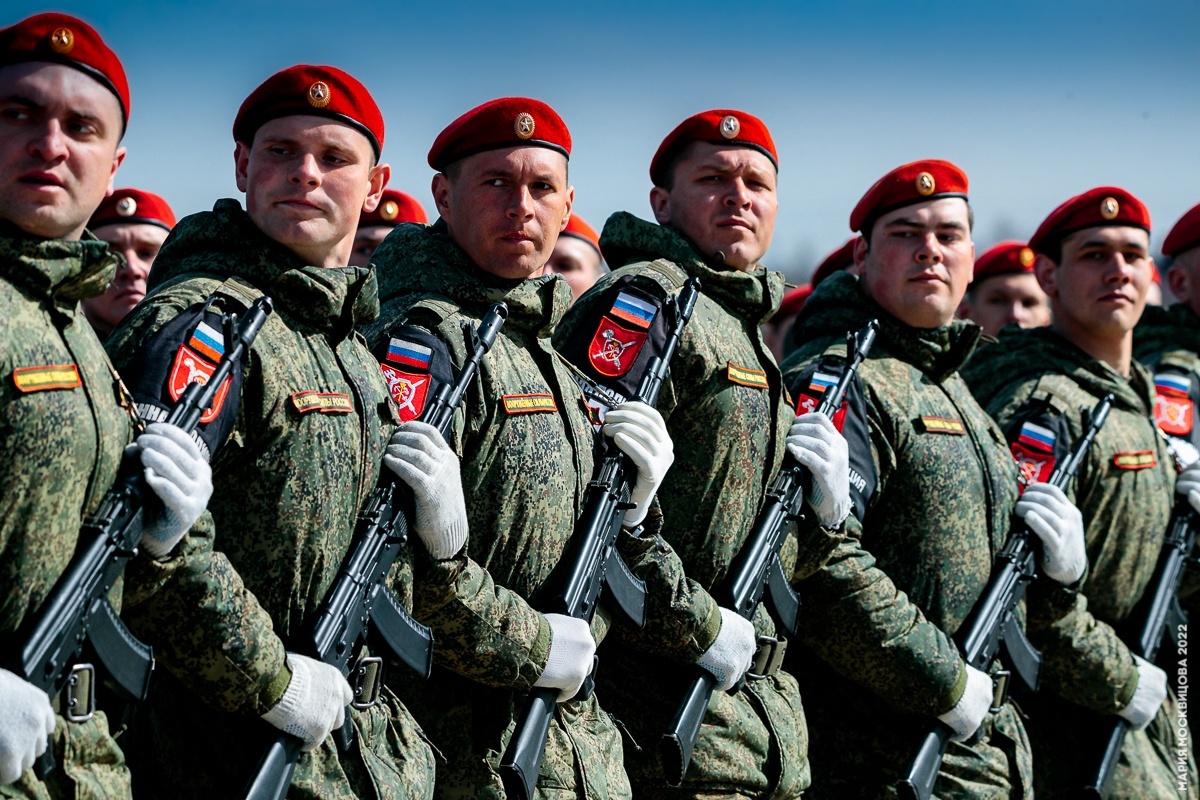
[[1099, 288], [919, 262], [139, 243], [722, 199], [506, 208], [577, 262], [60, 135], [1184, 278], [1002, 299], [366, 242], [306, 180]]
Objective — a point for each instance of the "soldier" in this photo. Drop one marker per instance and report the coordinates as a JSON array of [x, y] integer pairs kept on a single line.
[[1004, 289], [715, 203], [306, 423], [135, 224], [577, 257], [525, 444], [934, 489], [65, 104], [1093, 261], [394, 209]]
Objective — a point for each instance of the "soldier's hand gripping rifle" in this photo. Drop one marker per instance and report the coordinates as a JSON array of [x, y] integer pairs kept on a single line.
[[591, 564], [757, 570], [360, 601], [993, 627], [1155, 621], [77, 615]]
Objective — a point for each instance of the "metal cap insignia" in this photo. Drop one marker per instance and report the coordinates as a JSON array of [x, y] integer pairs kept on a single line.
[[1026, 257], [1109, 208], [62, 40], [730, 127], [390, 210], [318, 94], [925, 184], [126, 206], [524, 125]]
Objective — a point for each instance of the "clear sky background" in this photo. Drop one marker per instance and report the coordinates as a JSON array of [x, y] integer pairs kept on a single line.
[[1037, 101]]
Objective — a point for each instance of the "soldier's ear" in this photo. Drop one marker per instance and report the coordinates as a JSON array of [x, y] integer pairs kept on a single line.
[[860, 256], [377, 179], [441, 193], [241, 162], [1046, 271], [660, 201]]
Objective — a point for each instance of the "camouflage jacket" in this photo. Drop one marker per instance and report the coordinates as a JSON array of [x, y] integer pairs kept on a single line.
[[62, 432], [288, 484], [1124, 488], [728, 416], [1167, 342], [933, 500]]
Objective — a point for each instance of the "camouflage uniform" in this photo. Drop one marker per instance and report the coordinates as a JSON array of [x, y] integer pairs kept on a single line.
[[935, 495], [287, 488], [728, 417], [525, 468], [61, 446], [1125, 490]]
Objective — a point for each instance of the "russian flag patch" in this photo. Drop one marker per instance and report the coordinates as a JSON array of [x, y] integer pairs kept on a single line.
[[1037, 437], [633, 310], [409, 354], [1169, 384], [820, 381], [207, 341]]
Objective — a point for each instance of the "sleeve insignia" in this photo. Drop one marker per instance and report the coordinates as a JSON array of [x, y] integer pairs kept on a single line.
[[190, 367], [634, 311], [614, 347], [1173, 407], [51, 376], [409, 390], [1135, 459], [1034, 453]]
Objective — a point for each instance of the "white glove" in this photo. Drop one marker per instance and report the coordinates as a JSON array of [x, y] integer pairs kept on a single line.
[[1147, 697], [967, 715], [419, 455], [1188, 485], [1058, 523], [572, 649], [815, 443], [1184, 451], [732, 654], [181, 478], [314, 703], [26, 722], [640, 433]]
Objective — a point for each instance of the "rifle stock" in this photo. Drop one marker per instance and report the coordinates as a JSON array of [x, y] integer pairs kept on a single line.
[[757, 571], [993, 620], [585, 569]]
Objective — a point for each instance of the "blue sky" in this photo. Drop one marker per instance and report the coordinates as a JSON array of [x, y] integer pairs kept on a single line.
[[1037, 101]]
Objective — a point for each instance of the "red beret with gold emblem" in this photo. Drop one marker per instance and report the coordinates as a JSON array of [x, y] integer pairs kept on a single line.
[[316, 90], [838, 260], [718, 126], [581, 230], [1185, 235], [63, 39], [907, 185], [1099, 207], [133, 205], [1006, 258], [505, 122], [394, 208]]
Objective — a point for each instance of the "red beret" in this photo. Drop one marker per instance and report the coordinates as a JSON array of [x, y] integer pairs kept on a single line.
[[394, 208], [63, 39], [907, 185], [581, 230], [1102, 206], [836, 261], [1006, 258], [1155, 275], [307, 89], [1185, 235], [133, 205], [506, 122], [793, 301], [718, 126]]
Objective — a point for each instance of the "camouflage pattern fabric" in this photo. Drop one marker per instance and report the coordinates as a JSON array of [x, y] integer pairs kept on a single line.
[[62, 433], [878, 662], [728, 417], [524, 476], [287, 488], [1125, 490]]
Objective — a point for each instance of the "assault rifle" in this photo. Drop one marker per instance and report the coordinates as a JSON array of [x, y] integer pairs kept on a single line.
[[1157, 618], [591, 564], [77, 615], [360, 601], [992, 626], [757, 570]]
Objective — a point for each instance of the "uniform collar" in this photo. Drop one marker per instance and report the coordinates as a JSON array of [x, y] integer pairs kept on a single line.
[[68, 270]]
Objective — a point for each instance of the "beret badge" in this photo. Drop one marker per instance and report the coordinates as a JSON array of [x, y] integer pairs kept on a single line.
[[1026, 257], [523, 125], [126, 206], [319, 94], [390, 210], [1109, 208], [730, 127], [62, 40], [925, 184]]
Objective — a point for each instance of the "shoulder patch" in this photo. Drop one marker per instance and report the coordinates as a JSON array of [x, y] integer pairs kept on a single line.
[[529, 403], [414, 363], [1038, 438], [614, 348], [1135, 459], [745, 376], [1174, 407], [47, 377]]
